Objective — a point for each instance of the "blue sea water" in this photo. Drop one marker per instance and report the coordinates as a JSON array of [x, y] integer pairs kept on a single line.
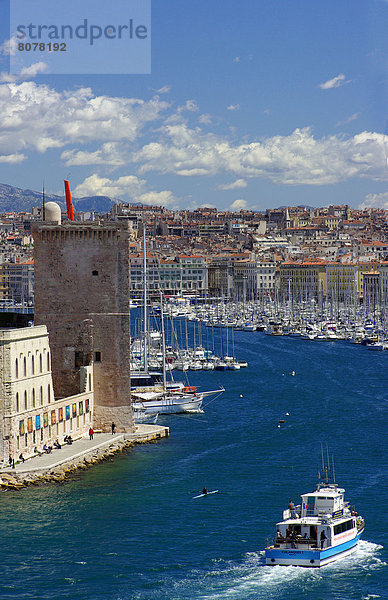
[[129, 528]]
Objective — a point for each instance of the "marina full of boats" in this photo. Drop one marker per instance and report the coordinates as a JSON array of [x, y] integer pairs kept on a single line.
[[307, 320], [179, 336]]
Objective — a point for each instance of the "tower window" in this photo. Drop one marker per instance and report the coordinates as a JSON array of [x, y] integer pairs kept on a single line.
[[97, 356], [95, 273]]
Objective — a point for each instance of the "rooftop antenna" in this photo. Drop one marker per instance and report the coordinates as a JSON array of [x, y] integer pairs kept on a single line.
[[43, 205]]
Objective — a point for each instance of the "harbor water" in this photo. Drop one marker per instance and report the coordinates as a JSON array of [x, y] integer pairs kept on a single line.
[[129, 528]]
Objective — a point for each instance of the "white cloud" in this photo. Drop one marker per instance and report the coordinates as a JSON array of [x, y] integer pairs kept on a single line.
[[352, 117], [25, 73], [12, 159], [336, 82], [189, 105], [128, 187], [375, 201], [38, 117], [9, 47], [164, 90], [205, 119], [33, 70], [111, 153], [95, 185], [239, 205], [239, 183], [113, 131], [233, 107], [295, 159], [164, 198]]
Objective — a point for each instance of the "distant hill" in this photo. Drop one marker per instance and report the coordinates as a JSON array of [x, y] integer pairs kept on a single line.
[[13, 199]]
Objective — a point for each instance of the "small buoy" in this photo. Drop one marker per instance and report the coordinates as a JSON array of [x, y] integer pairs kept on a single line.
[[241, 395], [278, 426], [292, 373], [281, 421], [287, 414]]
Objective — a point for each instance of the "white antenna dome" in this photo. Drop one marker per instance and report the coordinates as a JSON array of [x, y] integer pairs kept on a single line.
[[52, 212]]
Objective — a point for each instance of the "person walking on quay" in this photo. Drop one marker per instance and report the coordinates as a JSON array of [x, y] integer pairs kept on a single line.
[[21, 457], [91, 432], [113, 428]]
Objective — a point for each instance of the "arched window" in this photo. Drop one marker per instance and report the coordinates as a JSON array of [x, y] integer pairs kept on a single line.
[[40, 363], [33, 398], [16, 368], [25, 400], [48, 393], [33, 365], [48, 361], [25, 367], [17, 402], [41, 396]]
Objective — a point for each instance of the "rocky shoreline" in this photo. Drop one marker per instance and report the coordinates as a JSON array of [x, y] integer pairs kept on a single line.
[[12, 481]]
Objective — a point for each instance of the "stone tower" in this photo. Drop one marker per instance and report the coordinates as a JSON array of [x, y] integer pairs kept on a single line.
[[82, 296]]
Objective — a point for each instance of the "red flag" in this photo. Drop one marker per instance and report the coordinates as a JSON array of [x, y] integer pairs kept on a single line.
[[319, 474], [69, 203]]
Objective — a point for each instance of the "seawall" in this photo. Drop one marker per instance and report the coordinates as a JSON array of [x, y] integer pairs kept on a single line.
[[60, 465]]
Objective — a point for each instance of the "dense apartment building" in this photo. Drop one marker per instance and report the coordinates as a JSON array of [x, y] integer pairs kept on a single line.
[[17, 281], [175, 276]]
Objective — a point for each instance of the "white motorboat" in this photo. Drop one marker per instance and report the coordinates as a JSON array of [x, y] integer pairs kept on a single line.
[[317, 532]]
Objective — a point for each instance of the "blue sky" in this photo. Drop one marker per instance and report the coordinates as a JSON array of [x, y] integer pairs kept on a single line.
[[253, 104]]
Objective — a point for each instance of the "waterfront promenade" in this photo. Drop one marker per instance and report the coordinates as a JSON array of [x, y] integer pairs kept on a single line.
[[84, 447]]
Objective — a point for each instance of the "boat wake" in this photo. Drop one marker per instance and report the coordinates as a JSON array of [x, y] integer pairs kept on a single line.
[[251, 579]]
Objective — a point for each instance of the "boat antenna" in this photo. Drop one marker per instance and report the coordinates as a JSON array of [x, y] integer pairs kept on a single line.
[[332, 462], [328, 464], [325, 467]]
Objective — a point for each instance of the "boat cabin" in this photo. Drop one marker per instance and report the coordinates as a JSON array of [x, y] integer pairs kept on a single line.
[[325, 501], [141, 379]]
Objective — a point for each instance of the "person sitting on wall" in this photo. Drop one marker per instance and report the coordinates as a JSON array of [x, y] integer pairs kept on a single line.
[[57, 445], [21, 457], [69, 440]]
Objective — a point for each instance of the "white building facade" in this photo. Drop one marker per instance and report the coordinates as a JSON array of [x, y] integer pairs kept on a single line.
[[30, 416]]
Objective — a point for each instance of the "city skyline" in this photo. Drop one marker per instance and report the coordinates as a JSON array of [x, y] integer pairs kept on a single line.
[[251, 107]]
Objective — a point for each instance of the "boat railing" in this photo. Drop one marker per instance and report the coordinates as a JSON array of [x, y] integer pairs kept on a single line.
[[295, 543]]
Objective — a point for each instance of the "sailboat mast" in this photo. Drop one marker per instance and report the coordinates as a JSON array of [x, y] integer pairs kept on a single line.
[[163, 341], [145, 329]]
